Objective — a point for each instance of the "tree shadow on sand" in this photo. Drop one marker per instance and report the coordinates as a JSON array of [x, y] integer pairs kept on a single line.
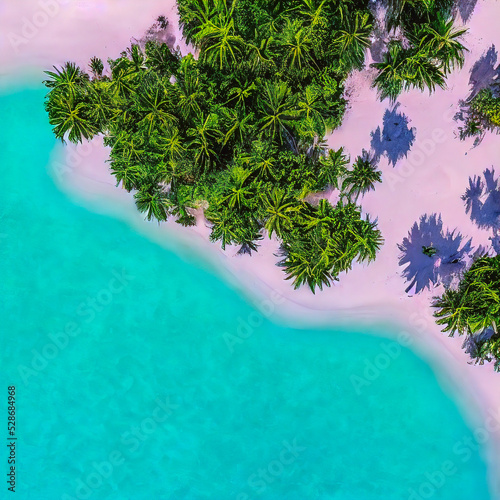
[[485, 72], [432, 255], [395, 139], [465, 8], [482, 200]]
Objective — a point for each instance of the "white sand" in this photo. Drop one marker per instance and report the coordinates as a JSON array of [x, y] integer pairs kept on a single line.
[[368, 295]]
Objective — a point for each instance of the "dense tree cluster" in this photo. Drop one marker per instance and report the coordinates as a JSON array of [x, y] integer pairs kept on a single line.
[[424, 52], [473, 310], [238, 130]]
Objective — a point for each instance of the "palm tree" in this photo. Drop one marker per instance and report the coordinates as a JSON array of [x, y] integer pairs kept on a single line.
[[160, 58], [421, 72], [263, 169], [333, 168], [123, 82], [239, 95], [205, 134], [192, 94], [223, 227], [127, 173], [240, 192], [297, 45], [171, 144], [368, 240], [70, 116], [279, 209], [128, 146], [154, 106], [241, 126], [440, 40], [97, 67], [68, 80], [362, 177], [278, 107], [400, 11], [218, 43], [313, 107], [152, 200], [390, 80], [314, 12], [299, 268], [102, 107], [403, 69], [475, 305], [351, 42], [137, 59]]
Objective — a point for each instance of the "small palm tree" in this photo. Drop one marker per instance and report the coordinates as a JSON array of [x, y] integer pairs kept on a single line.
[[218, 43], [240, 192], [390, 80], [440, 40], [279, 210], [314, 12], [313, 107], [297, 44], [362, 177], [68, 80], [97, 67], [278, 108], [352, 41], [404, 69], [154, 107], [205, 135], [152, 200], [70, 116], [333, 168], [241, 126]]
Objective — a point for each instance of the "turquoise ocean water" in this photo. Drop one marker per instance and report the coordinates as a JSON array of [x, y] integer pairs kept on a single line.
[[129, 385]]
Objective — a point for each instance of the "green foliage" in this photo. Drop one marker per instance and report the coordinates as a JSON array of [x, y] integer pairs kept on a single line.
[[434, 48], [239, 130], [362, 177], [474, 307], [481, 113], [327, 242]]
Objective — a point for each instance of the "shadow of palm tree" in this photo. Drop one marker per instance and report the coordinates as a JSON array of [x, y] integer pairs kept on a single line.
[[485, 72], [466, 8], [395, 139], [448, 258], [482, 201]]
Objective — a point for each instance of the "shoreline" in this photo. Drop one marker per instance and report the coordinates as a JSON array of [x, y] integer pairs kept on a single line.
[[368, 295], [473, 388]]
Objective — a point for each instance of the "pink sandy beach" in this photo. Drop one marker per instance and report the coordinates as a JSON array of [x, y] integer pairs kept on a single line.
[[36, 35]]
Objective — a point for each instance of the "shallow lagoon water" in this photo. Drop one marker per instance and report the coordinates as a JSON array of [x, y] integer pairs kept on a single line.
[[128, 389]]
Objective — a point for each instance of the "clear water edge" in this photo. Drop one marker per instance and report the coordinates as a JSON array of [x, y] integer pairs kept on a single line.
[[231, 411]]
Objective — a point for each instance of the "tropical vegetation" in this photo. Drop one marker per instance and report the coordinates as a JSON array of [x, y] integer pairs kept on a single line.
[[480, 114], [424, 49], [238, 130], [472, 309]]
